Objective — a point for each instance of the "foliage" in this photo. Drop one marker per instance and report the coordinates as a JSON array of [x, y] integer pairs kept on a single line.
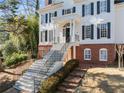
[[15, 59], [50, 84], [8, 49]]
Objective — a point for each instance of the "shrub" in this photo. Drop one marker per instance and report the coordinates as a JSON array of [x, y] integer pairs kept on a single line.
[[8, 49], [50, 84], [15, 59]]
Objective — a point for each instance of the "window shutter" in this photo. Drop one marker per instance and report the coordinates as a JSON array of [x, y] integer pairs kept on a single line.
[[109, 29], [108, 6], [83, 10], [46, 35], [55, 14], [83, 29], [74, 9], [98, 32], [92, 31], [98, 7], [46, 18], [50, 17], [63, 12], [92, 8]]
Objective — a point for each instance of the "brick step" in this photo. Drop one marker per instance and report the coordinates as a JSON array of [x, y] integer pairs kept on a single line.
[[66, 90], [80, 69], [69, 85], [71, 79], [77, 73]]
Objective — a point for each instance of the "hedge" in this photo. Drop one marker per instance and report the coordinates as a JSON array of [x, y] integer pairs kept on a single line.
[[51, 83]]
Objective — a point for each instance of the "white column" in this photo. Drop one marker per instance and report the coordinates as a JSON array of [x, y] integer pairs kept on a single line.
[[74, 52], [48, 36], [73, 31]]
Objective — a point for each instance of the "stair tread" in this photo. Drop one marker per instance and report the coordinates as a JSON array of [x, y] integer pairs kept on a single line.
[[62, 88], [69, 84], [73, 79], [77, 73]]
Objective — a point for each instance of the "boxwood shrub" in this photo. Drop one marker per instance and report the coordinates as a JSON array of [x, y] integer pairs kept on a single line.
[[51, 83], [15, 59]]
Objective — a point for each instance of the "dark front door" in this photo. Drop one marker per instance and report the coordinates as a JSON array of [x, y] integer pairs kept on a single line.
[[67, 35]]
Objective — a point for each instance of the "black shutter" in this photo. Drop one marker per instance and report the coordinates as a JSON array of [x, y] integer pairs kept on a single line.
[[55, 14], [108, 5], [46, 35], [50, 17], [63, 12], [46, 18], [49, 1], [92, 31], [74, 9], [83, 29], [109, 29], [98, 32], [83, 10], [98, 7], [92, 8]]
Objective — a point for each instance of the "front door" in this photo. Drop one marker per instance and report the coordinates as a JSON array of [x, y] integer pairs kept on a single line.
[[67, 35]]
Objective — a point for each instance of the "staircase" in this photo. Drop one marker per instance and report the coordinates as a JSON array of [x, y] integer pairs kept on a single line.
[[42, 69], [72, 81]]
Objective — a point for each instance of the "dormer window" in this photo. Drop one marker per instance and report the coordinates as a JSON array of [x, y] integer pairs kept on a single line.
[[68, 11]]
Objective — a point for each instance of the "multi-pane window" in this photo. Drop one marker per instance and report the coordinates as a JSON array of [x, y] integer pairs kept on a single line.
[[68, 11], [103, 28], [103, 6], [50, 35], [87, 54], [88, 9], [87, 32], [103, 54]]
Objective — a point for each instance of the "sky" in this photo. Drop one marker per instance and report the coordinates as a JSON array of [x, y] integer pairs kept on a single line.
[[22, 9]]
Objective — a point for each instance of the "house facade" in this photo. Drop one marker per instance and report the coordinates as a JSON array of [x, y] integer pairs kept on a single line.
[[93, 27]]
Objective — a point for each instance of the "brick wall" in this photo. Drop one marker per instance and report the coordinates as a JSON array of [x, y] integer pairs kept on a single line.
[[41, 48], [95, 53]]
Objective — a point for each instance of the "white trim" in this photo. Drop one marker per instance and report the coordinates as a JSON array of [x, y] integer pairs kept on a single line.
[[87, 49], [100, 55]]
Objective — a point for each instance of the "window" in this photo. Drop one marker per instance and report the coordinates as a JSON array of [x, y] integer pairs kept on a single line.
[[87, 54], [103, 54], [51, 35], [104, 30], [88, 9], [103, 6], [68, 11], [49, 1], [87, 32]]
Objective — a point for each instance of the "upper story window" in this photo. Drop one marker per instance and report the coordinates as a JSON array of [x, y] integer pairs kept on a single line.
[[103, 30], [68, 11], [88, 9], [103, 6], [87, 32], [49, 2]]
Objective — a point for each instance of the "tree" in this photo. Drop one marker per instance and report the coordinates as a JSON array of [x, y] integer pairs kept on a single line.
[[120, 51]]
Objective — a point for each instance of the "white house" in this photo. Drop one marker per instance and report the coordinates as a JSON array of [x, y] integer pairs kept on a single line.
[[93, 26]]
